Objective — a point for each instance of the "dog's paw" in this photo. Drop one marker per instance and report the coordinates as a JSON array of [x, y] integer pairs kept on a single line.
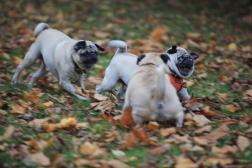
[[98, 89], [82, 97]]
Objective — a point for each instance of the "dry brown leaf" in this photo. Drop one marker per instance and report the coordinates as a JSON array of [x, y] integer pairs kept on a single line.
[[200, 141], [212, 161], [141, 134], [208, 112], [216, 134], [83, 125], [130, 140], [48, 104], [158, 33], [37, 123], [49, 127], [126, 119], [165, 132], [200, 120], [117, 164], [40, 159], [159, 150], [17, 60], [242, 142], [152, 126], [91, 149], [34, 95], [100, 97], [17, 109], [232, 107], [207, 128], [232, 47], [69, 122], [8, 133], [222, 152], [182, 162]]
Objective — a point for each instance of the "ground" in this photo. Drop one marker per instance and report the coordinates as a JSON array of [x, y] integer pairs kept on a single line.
[[45, 126]]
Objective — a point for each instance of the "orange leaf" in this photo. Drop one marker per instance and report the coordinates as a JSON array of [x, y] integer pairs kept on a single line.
[[17, 109], [141, 134], [49, 127], [126, 119], [69, 122], [158, 33], [130, 140]]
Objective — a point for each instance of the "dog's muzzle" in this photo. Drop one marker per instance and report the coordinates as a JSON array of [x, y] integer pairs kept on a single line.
[[185, 64], [89, 58]]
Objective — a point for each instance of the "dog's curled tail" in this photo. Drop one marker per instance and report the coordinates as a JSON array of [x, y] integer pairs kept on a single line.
[[121, 45], [39, 28]]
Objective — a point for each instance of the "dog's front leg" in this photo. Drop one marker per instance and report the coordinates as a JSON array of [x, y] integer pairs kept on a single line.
[[180, 119], [70, 88], [82, 84]]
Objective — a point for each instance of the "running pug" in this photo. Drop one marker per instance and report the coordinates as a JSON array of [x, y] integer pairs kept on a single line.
[[123, 66], [67, 59], [150, 93]]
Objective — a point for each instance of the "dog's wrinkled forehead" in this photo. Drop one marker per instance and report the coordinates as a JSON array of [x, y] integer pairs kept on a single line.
[[177, 51], [85, 45]]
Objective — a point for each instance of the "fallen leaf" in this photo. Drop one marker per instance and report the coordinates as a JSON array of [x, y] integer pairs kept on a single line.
[[83, 125], [126, 118], [141, 134], [216, 134], [193, 35], [130, 140], [17, 109], [207, 128], [232, 107], [100, 97], [159, 150], [248, 95], [232, 47], [157, 33], [242, 142], [222, 152], [212, 161], [182, 162], [117, 164], [152, 126], [49, 127], [200, 141], [118, 153], [48, 104], [208, 112], [40, 159], [69, 122], [8, 133], [37, 123], [34, 95], [91, 149], [200, 120], [165, 132]]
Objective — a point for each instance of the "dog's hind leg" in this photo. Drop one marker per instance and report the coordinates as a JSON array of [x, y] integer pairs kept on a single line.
[[109, 81], [39, 73], [31, 56]]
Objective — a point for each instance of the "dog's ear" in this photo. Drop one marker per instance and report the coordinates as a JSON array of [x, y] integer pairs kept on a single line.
[[139, 58], [99, 47], [80, 45], [165, 57], [172, 50], [194, 55]]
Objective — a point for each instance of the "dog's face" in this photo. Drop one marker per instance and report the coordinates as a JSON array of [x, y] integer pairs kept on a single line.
[[152, 58], [86, 53], [183, 60]]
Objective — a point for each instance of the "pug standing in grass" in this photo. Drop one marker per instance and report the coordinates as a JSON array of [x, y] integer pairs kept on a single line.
[[150, 93], [67, 59], [123, 66]]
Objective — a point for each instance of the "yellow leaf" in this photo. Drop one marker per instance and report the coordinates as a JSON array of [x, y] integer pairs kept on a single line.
[[182, 162], [48, 104], [164, 132], [232, 47], [232, 107], [69, 122]]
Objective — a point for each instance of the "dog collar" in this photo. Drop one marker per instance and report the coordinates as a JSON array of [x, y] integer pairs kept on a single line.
[[177, 82], [77, 69]]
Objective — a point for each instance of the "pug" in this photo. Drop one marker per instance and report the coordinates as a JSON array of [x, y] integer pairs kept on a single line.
[[150, 94], [67, 59], [123, 66]]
